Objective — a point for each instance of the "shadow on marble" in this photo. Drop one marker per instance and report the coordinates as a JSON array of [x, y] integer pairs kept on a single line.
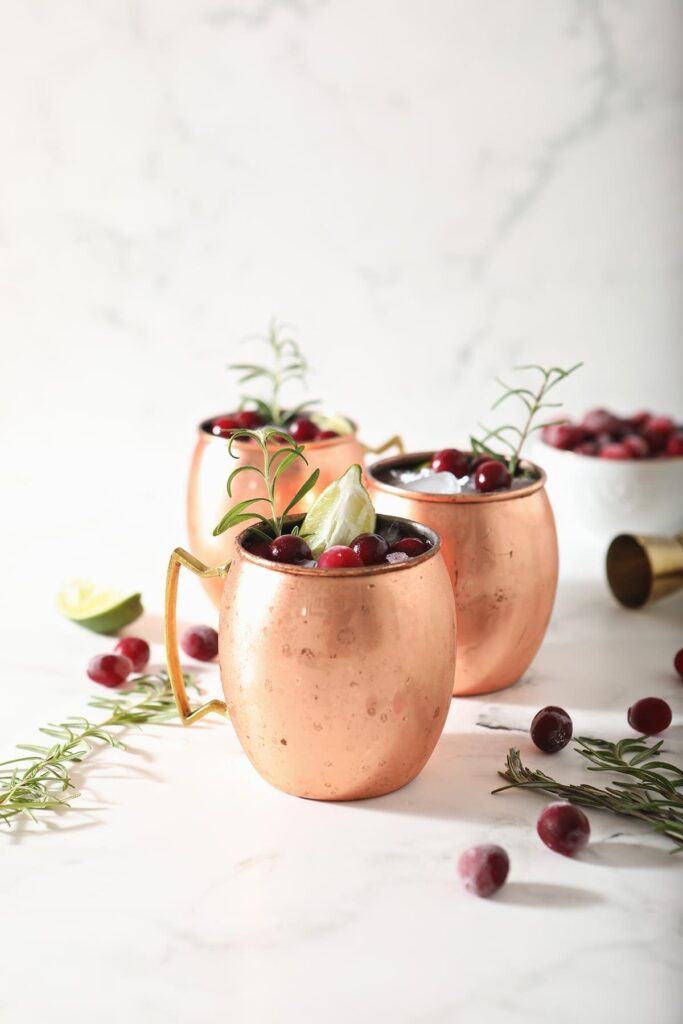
[[610, 854], [545, 894]]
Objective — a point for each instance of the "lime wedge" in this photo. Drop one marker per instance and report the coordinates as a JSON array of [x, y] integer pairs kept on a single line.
[[339, 514], [103, 611], [339, 424]]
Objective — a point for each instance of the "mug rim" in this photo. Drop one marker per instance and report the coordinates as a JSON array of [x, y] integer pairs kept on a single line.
[[203, 429], [353, 573], [395, 461]]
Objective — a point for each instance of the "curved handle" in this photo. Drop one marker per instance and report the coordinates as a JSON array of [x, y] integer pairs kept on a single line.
[[175, 674], [396, 441]]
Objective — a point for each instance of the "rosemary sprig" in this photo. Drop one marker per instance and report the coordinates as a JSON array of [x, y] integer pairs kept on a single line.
[[534, 402], [275, 462], [648, 789], [288, 364], [42, 780]]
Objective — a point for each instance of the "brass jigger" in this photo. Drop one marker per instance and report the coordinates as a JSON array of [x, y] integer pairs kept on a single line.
[[643, 569]]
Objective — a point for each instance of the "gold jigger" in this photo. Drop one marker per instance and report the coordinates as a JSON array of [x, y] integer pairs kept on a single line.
[[643, 569], [337, 682], [500, 550], [207, 500]]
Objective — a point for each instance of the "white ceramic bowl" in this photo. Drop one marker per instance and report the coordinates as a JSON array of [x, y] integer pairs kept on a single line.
[[604, 497]]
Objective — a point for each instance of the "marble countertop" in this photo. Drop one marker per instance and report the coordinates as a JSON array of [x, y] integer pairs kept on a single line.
[[181, 886]]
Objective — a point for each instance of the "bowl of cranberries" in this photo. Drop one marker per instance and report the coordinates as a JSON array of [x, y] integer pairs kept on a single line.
[[612, 474]]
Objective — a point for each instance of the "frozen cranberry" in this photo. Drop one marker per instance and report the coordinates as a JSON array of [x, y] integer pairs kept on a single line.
[[289, 548], [491, 475], [250, 420], [637, 446], [678, 662], [599, 421], [483, 869], [223, 426], [551, 729], [110, 669], [562, 435], [649, 715], [260, 548], [450, 460], [564, 828], [303, 430], [370, 548], [135, 648], [326, 435], [615, 450], [411, 546], [200, 642], [586, 448], [339, 556], [674, 446]]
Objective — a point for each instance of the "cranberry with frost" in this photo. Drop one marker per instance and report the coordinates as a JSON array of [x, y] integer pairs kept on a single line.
[[551, 729], [371, 548], [599, 421], [674, 446], [615, 450], [200, 642], [223, 426], [483, 869], [135, 648], [637, 446], [110, 669], [562, 435], [290, 549], [491, 476], [564, 828], [649, 716], [303, 430], [411, 546], [678, 662], [450, 460], [339, 556]]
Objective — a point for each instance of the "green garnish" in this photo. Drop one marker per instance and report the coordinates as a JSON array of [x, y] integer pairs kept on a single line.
[[649, 791], [288, 364]]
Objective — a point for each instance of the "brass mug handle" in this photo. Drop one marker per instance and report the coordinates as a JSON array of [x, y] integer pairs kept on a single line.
[[396, 440], [175, 674]]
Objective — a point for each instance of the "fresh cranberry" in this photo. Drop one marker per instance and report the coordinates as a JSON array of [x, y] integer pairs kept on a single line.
[[639, 419], [411, 546], [564, 828], [450, 460], [200, 642], [339, 556], [370, 548], [562, 435], [551, 729], [599, 421], [476, 463], [135, 648], [615, 450], [303, 430], [491, 475], [260, 548], [483, 869], [289, 548], [248, 419], [662, 424], [637, 446], [110, 669], [674, 446], [223, 426], [678, 662], [326, 435], [586, 448], [649, 716], [657, 431]]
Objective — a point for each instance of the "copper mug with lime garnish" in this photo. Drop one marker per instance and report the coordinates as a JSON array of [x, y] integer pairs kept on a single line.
[[336, 680], [332, 445]]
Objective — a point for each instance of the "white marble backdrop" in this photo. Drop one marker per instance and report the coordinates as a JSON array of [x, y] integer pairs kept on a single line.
[[432, 192]]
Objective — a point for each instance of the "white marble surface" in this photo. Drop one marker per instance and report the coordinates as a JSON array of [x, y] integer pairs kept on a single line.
[[432, 193]]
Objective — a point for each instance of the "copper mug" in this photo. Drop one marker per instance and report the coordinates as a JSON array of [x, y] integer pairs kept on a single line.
[[501, 553], [337, 682], [207, 500]]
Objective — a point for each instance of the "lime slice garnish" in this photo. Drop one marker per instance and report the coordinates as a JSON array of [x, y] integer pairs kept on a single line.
[[339, 514], [97, 608], [339, 424]]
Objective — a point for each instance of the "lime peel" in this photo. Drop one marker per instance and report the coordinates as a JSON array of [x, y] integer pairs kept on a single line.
[[100, 609], [339, 514]]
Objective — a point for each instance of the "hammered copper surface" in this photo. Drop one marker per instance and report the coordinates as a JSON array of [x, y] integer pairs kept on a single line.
[[501, 553], [207, 498], [338, 683]]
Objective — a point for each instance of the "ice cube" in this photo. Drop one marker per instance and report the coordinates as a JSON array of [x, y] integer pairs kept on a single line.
[[397, 556], [437, 483]]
